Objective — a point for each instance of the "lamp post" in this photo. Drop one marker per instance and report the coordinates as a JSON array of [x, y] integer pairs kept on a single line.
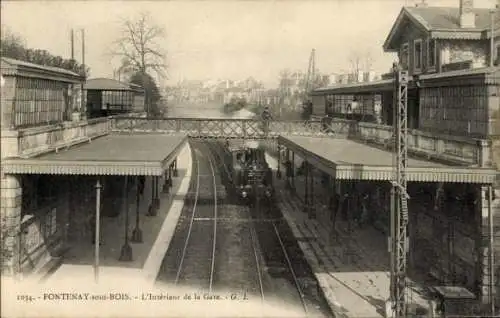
[[137, 232], [97, 229], [126, 252]]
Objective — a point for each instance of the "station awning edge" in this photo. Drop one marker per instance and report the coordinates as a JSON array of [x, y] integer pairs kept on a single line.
[[145, 166], [352, 171]]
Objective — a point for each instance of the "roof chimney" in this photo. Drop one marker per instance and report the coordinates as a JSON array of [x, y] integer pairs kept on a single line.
[[422, 4], [467, 15]]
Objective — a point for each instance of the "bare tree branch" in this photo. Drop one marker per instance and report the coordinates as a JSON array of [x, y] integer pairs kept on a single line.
[[138, 48], [360, 61]]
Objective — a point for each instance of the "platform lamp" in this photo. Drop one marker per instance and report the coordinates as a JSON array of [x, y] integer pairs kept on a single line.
[[126, 251]]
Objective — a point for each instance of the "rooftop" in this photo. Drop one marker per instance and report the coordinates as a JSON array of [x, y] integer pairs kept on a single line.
[[115, 154], [442, 23], [447, 18], [15, 67], [349, 159], [108, 84]]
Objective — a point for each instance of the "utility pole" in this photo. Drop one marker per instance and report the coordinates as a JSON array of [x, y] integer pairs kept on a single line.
[[83, 104], [72, 36], [492, 37], [399, 197]]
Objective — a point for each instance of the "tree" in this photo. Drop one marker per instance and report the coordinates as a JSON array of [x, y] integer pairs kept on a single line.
[[13, 46], [141, 54], [285, 79], [152, 93], [138, 46], [360, 61]]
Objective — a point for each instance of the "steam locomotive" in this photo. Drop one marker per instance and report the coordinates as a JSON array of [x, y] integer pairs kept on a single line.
[[249, 172]]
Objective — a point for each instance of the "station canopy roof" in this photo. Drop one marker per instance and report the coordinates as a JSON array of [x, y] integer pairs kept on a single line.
[[108, 84], [115, 154], [351, 160], [357, 88], [13, 67]]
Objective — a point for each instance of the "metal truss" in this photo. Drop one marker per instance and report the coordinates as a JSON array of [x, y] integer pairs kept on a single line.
[[399, 207]]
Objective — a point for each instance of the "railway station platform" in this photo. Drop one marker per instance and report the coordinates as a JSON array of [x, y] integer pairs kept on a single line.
[[148, 255], [349, 252], [56, 221], [352, 269]]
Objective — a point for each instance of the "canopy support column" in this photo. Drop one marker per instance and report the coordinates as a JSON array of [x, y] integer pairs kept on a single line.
[[137, 232], [152, 209], [312, 210], [306, 187], [126, 251], [278, 171]]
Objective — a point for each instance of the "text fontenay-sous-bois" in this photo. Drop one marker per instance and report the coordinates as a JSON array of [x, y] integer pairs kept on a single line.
[[127, 297]]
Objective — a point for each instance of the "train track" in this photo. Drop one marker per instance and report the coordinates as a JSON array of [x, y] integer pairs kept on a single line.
[[195, 250], [221, 245], [292, 272], [254, 243], [251, 229]]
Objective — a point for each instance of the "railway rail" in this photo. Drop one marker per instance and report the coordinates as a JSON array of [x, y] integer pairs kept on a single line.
[[221, 245], [254, 237], [194, 250]]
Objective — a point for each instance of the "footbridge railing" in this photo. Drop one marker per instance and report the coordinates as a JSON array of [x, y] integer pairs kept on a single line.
[[232, 128], [460, 150]]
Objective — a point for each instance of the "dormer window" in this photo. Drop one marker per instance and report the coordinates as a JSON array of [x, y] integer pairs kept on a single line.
[[404, 56], [431, 53], [417, 50]]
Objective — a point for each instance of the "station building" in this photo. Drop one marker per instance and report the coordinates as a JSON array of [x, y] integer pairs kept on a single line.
[[453, 119]]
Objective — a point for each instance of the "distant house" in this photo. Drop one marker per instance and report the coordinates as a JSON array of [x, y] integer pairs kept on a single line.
[[234, 92], [438, 39]]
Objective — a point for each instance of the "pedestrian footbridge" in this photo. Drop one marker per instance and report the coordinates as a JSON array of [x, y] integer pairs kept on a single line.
[[231, 128]]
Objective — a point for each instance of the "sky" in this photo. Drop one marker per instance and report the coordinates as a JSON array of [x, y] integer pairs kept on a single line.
[[221, 39]]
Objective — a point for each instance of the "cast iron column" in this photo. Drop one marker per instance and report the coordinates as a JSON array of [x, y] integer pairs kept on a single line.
[[151, 209], [176, 173], [306, 187], [293, 172], [312, 212], [126, 252], [97, 229], [166, 186], [157, 193], [137, 232], [278, 172], [170, 175]]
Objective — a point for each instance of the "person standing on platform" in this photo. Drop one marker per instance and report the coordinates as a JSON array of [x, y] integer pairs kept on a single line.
[[266, 118], [345, 206], [289, 172]]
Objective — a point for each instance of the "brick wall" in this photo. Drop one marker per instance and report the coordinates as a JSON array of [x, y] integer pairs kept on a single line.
[[10, 203], [454, 51]]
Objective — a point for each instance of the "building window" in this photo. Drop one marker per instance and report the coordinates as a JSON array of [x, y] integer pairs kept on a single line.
[[404, 56], [417, 50], [431, 53]]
